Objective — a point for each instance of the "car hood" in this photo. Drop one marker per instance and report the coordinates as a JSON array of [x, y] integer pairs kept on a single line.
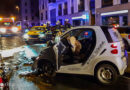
[[34, 32]]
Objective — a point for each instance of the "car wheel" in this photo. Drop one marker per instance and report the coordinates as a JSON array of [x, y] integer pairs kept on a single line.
[[106, 74], [47, 68]]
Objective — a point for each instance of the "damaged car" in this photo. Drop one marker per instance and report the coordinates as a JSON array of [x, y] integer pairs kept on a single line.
[[86, 50]]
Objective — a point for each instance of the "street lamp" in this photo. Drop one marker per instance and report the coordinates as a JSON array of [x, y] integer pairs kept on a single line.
[[17, 7]]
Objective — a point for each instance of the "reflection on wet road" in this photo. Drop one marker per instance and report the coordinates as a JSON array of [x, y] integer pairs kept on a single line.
[[60, 82], [11, 42]]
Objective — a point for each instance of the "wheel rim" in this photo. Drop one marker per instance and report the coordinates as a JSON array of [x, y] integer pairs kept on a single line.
[[105, 75]]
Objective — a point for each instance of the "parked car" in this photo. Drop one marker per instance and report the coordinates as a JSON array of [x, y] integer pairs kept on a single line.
[[36, 34], [102, 54], [125, 34]]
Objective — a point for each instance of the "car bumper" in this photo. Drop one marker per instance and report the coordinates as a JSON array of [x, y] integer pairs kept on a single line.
[[123, 67]]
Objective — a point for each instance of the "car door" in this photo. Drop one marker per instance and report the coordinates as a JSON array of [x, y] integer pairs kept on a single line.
[[82, 35]]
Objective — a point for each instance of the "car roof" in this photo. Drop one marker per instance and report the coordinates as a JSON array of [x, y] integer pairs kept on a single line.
[[93, 27]]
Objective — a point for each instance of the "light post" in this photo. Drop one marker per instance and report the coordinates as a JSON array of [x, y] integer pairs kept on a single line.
[[17, 7]]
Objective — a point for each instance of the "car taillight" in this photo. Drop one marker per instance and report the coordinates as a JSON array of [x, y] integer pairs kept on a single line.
[[115, 51], [128, 36], [114, 45]]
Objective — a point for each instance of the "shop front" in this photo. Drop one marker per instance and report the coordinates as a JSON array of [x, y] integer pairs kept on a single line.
[[116, 17], [80, 20]]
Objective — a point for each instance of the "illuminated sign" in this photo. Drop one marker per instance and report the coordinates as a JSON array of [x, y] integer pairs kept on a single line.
[[82, 17], [114, 13]]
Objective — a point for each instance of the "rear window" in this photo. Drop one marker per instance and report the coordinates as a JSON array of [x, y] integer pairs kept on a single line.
[[111, 34]]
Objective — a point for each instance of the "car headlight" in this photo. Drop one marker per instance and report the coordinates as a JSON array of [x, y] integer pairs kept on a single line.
[[3, 30], [25, 36], [42, 35], [14, 29]]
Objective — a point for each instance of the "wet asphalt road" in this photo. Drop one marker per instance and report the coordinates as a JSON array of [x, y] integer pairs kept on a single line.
[[60, 82]]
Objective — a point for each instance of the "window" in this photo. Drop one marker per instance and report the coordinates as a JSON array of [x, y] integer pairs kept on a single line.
[[26, 11], [41, 16], [53, 16], [124, 1], [25, 3], [32, 10], [72, 6], [81, 6], [32, 17], [26, 17], [60, 21], [60, 10], [92, 4], [87, 38], [43, 5], [106, 3], [52, 1], [111, 35], [65, 8], [46, 15]]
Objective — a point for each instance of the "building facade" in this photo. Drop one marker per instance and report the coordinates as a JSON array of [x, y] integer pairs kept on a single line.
[[78, 12], [29, 13], [110, 12]]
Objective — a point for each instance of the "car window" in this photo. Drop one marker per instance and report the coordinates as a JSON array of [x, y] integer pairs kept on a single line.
[[114, 34], [71, 33], [85, 35]]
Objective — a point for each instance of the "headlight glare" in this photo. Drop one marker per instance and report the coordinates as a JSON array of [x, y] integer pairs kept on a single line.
[[42, 35], [3, 30], [25, 36], [14, 29]]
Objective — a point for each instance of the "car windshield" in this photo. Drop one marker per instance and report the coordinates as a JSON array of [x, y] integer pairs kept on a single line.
[[38, 29]]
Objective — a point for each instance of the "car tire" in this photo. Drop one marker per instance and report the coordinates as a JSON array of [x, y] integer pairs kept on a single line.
[[106, 74], [46, 68]]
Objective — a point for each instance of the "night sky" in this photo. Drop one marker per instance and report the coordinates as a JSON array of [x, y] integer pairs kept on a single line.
[[7, 7]]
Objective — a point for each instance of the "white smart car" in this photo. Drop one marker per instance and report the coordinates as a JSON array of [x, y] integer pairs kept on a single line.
[[102, 54]]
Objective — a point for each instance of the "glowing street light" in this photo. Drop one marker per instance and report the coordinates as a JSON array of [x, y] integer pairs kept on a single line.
[[1, 19], [17, 7], [13, 18]]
